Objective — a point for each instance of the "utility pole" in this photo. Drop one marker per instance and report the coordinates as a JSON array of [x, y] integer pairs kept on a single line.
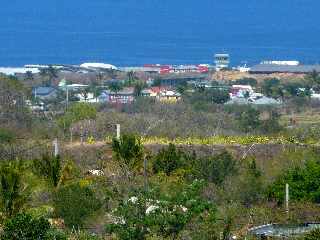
[[56, 147]]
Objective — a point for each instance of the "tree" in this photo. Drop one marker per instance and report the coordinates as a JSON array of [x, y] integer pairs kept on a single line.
[[24, 226], [13, 192], [128, 150], [29, 76], [304, 183], [138, 88], [74, 203], [272, 88], [271, 125], [12, 103], [246, 81], [77, 112], [249, 120], [314, 77], [115, 86], [156, 82], [48, 75], [131, 78], [211, 96]]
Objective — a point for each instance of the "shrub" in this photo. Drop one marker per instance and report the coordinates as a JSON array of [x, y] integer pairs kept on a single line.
[[24, 226], [168, 160], [7, 136], [128, 149], [216, 168], [304, 183], [54, 234], [50, 168], [13, 192], [313, 235], [251, 187], [74, 203]]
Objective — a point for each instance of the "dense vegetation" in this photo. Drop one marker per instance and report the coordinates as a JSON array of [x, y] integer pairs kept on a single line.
[[196, 169]]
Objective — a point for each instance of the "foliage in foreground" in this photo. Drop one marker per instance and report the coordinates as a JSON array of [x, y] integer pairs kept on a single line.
[[159, 214], [13, 192], [24, 226], [304, 183], [313, 235], [74, 203]]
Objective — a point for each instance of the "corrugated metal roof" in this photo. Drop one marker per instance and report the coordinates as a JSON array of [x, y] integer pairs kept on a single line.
[[273, 68]]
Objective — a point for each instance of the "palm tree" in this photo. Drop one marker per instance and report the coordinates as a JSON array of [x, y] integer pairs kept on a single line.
[[99, 78], [48, 75], [138, 87], [13, 192], [131, 77], [115, 86], [52, 73]]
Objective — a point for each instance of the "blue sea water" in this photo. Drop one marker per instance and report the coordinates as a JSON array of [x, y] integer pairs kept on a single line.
[[135, 32]]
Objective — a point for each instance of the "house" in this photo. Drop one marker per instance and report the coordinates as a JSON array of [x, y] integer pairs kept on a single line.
[[258, 100], [169, 96], [44, 93], [241, 90], [123, 96], [153, 91]]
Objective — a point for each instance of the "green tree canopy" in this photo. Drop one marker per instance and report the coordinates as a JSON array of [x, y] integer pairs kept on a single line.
[[304, 183], [77, 112]]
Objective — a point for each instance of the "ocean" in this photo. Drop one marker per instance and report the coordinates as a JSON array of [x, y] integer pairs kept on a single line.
[[137, 32]]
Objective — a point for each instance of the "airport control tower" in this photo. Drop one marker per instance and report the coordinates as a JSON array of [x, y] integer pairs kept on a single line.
[[221, 60]]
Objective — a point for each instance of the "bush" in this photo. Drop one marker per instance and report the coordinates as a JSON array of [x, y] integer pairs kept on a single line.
[[168, 160], [75, 203], [24, 226], [313, 235], [251, 187], [54, 234], [13, 192], [304, 183], [216, 168], [50, 168], [7, 136], [128, 149]]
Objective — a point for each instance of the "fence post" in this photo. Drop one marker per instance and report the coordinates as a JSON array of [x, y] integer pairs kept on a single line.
[[145, 175], [56, 147], [118, 131], [287, 199]]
